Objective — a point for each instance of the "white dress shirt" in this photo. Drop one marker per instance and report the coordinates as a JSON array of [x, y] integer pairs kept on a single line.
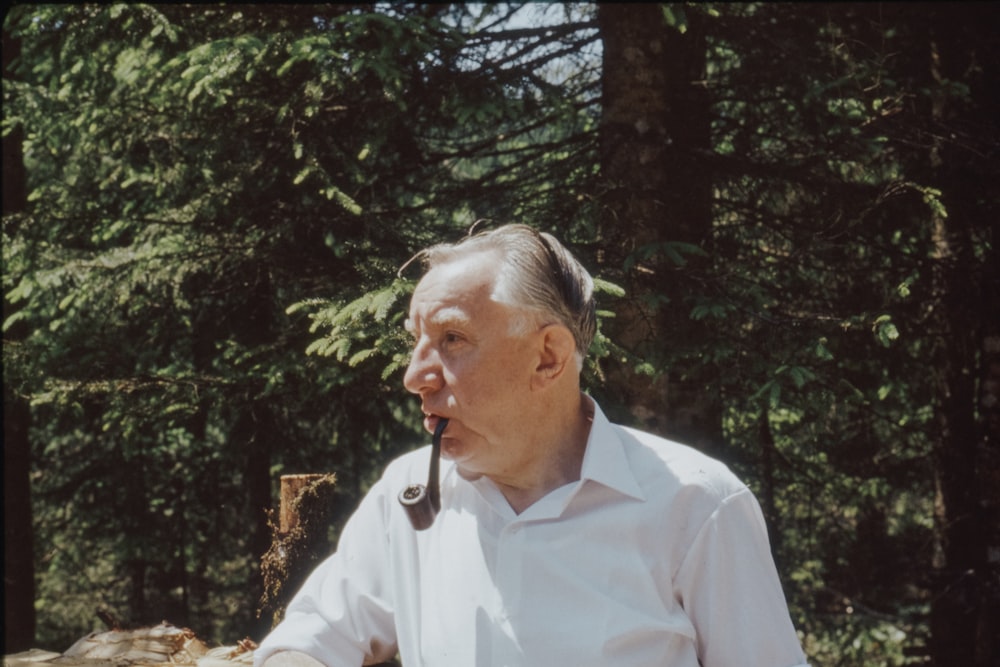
[[657, 556]]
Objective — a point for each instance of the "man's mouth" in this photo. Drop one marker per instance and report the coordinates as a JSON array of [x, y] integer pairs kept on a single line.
[[431, 421]]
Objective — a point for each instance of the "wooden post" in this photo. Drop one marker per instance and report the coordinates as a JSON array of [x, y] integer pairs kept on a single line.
[[291, 487], [300, 539]]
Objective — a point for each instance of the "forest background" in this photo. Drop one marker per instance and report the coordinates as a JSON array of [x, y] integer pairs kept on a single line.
[[791, 208]]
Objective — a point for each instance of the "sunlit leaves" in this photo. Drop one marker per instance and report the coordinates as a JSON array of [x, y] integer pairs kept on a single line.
[[885, 330], [364, 329]]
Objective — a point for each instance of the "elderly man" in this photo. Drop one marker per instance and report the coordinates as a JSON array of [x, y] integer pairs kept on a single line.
[[562, 539]]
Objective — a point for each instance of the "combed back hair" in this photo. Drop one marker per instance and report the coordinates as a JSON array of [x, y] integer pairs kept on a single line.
[[537, 274]]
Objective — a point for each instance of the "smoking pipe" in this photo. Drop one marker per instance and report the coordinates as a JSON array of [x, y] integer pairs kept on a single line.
[[422, 503]]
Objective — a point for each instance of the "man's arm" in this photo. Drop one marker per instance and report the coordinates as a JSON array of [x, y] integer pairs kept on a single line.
[[292, 659], [730, 589], [342, 615]]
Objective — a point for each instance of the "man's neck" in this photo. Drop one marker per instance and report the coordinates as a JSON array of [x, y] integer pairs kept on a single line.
[[559, 462]]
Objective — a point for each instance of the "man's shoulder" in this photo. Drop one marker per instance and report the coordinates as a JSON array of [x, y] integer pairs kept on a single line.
[[676, 454], [408, 464], [408, 468], [666, 465]]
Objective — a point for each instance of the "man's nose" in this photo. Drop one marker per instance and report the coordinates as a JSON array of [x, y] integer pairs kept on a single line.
[[423, 374]]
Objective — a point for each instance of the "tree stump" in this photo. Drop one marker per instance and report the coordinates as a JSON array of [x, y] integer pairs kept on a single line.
[[299, 541]]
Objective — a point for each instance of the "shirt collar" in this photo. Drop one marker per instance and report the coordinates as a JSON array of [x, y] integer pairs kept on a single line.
[[605, 461]]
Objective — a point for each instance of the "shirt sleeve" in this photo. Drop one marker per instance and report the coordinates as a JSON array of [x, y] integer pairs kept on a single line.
[[342, 615], [729, 587]]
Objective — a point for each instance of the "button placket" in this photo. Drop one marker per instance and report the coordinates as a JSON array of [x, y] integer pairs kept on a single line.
[[509, 580]]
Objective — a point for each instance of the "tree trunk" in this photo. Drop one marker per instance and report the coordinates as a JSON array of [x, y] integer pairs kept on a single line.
[[965, 602], [18, 570], [769, 490], [256, 432], [656, 194], [959, 570]]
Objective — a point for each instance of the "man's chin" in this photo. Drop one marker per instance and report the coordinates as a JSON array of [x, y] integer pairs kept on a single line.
[[455, 455], [455, 451], [467, 475]]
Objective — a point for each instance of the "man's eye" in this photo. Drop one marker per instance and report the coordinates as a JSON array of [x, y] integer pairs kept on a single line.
[[451, 337]]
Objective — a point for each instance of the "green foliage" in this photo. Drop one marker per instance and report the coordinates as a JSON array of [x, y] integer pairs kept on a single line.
[[200, 289], [370, 326], [826, 243]]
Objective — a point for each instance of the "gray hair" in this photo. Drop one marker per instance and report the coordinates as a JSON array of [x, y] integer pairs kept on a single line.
[[537, 274]]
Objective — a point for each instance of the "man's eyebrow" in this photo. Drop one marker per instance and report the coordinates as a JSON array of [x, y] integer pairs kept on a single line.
[[449, 316]]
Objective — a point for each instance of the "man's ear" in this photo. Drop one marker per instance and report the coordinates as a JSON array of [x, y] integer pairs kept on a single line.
[[556, 350]]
